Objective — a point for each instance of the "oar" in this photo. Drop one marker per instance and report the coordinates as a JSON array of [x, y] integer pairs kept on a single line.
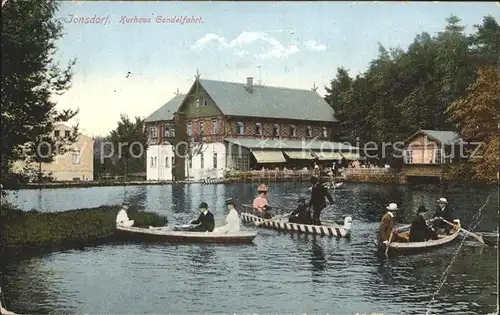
[[272, 219], [387, 245], [481, 240]]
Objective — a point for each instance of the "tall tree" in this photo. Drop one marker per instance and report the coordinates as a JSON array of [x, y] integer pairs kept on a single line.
[[477, 118], [130, 143], [30, 76], [486, 43]]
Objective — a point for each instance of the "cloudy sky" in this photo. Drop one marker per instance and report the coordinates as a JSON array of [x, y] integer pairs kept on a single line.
[[134, 68]]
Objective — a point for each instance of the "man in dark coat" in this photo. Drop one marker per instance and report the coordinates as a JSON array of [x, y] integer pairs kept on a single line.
[[419, 231], [444, 211], [205, 221], [318, 195], [301, 215]]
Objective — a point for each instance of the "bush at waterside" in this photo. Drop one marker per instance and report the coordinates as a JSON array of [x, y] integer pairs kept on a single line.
[[74, 227]]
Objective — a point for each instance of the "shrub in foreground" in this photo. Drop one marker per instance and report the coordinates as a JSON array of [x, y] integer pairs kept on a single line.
[[82, 226]]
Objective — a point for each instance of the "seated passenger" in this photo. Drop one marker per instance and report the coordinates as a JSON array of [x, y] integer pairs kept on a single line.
[[205, 222], [301, 215], [122, 218], [233, 219], [260, 204], [443, 211], [419, 231]]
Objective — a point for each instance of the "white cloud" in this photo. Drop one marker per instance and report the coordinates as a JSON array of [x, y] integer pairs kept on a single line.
[[313, 45], [207, 39], [276, 50]]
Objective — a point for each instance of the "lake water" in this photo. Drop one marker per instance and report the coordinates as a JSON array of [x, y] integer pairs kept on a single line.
[[280, 274]]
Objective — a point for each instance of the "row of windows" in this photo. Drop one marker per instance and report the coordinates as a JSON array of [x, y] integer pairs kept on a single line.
[[240, 129], [57, 133], [168, 131], [437, 158], [276, 130], [170, 161]]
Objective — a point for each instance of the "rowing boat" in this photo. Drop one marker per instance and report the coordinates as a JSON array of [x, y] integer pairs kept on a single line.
[[163, 234], [282, 224], [410, 247]]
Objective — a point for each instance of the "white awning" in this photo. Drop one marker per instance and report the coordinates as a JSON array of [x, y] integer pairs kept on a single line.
[[299, 155], [268, 156], [328, 156], [351, 156]]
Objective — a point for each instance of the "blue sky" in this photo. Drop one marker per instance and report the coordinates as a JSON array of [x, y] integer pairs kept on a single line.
[[295, 44]]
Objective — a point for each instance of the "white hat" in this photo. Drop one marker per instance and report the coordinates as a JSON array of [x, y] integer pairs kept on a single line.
[[442, 200], [392, 207]]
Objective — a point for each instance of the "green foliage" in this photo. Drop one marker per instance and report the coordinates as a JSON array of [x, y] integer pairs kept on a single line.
[[124, 149], [476, 117], [81, 226], [30, 76], [403, 91]]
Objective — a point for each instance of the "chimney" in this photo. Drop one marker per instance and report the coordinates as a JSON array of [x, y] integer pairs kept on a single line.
[[250, 84]]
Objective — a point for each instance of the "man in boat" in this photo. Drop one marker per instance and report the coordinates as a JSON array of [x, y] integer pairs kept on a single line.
[[386, 227], [205, 221], [419, 231], [443, 211], [233, 219], [122, 218], [260, 204], [301, 215], [319, 194]]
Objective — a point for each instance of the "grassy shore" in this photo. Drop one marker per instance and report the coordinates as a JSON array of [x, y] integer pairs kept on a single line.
[[65, 229]]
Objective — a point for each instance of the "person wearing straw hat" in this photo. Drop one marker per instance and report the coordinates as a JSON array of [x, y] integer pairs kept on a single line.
[[205, 222], [260, 203], [387, 225], [443, 211], [419, 231]]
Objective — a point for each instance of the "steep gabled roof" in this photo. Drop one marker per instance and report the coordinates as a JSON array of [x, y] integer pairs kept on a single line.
[[444, 137], [166, 112], [234, 99]]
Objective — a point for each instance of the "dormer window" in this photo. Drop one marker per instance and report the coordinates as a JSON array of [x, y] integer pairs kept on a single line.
[[197, 103], [276, 130], [205, 102], [309, 132], [57, 133], [293, 131], [258, 129]]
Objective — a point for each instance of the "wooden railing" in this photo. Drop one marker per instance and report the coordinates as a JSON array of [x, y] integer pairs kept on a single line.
[[367, 171], [270, 174]]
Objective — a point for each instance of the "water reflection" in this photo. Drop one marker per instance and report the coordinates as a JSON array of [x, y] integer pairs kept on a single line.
[[201, 256], [318, 260], [283, 267]]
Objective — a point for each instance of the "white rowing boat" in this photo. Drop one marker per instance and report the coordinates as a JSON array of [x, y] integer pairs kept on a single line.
[[407, 246]]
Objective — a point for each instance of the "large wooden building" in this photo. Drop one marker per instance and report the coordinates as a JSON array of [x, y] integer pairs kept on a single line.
[[241, 125]]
